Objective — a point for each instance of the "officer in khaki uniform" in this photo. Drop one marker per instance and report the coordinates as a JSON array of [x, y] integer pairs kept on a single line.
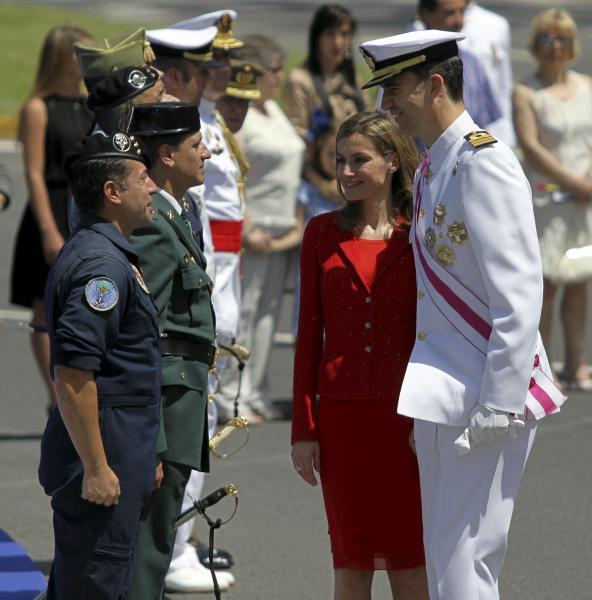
[[174, 270]]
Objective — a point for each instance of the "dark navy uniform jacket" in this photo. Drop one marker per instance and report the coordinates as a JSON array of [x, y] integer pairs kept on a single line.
[[119, 345]]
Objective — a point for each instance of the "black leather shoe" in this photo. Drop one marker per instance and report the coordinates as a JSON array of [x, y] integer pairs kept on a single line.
[[222, 558]]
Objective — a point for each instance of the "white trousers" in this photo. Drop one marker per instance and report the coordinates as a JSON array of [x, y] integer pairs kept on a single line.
[[263, 282], [184, 554], [467, 505]]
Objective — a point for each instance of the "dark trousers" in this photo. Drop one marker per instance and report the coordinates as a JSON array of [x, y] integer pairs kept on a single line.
[[94, 545], [157, 534]]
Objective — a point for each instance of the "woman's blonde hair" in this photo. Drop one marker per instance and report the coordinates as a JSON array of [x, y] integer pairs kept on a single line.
[[553, 19], [56, 50], [384, 134]]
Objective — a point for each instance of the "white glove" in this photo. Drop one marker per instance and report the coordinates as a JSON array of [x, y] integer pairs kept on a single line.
[[466, 440], [487, 424]]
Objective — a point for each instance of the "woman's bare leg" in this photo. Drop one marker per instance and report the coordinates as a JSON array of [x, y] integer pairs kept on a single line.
[[409, 584], [353, 584], [573, 316]]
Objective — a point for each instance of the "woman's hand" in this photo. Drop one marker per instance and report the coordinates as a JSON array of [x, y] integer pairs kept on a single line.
[[258, 241], [581, 189], [52, 242], [305, 458]]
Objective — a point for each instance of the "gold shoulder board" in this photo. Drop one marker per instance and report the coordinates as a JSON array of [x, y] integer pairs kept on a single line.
[[480, 138]]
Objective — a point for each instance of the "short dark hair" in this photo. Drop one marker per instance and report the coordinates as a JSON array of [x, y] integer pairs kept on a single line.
[[451, 71], [88, 179], [152, 143], [163, 63], [429, 5]]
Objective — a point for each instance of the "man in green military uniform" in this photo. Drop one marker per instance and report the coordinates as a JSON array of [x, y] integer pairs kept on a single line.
[[174, 270]]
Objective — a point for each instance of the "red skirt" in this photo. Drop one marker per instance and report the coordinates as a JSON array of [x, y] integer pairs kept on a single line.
[[370, 484]]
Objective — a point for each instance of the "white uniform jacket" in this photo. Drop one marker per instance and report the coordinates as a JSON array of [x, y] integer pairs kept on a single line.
[[476, 220], [221, 198]]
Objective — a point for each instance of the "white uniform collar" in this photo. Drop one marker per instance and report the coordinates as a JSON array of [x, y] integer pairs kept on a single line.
[[439, 149], [206, 107], [170, 200]]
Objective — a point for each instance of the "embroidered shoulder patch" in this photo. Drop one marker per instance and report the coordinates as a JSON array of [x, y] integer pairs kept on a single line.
[[101, 293], [480, 138]]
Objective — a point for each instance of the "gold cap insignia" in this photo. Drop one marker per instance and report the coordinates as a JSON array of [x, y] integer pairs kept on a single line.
[[369, 60], [245, 76]]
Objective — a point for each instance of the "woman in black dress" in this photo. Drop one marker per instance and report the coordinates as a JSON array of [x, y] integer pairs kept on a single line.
[[52, 120]]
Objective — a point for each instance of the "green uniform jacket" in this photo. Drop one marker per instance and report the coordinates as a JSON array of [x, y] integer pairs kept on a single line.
[[173, 267]]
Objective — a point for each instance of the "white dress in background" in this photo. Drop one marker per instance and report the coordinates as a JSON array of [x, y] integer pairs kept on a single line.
[[565, 129]]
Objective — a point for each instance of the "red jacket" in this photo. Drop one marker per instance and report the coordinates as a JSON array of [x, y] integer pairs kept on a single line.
[[353, 342]]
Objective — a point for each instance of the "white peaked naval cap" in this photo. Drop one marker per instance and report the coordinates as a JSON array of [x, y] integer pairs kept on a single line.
[[391, 55], [207, 20]]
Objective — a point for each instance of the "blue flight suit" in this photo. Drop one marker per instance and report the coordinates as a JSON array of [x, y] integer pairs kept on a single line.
[[94, 544]]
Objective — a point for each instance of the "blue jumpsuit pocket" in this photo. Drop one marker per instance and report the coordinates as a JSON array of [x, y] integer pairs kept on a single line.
[[109, 573]]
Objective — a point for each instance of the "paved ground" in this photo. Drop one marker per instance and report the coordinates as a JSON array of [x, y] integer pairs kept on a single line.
[[279, 535]]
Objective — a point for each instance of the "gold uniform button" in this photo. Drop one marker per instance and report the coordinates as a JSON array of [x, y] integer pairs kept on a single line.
[[367, 325], [421, 335], [368, 299], [368, 349], [420, 295]]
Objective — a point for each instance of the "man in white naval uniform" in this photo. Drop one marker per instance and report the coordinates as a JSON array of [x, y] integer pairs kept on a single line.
[[478, 376], [184, 55], [222, 196]]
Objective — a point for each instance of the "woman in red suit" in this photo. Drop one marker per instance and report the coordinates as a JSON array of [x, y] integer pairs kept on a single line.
[[355, 335]]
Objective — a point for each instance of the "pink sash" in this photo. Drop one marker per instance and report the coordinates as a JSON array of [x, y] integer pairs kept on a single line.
[[470, 316]]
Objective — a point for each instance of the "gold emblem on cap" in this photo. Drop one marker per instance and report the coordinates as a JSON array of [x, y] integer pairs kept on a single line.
[[224, 23], [246, 76], [457, 232], [225, 38], [445, 255], [439, 215], [369, 60]]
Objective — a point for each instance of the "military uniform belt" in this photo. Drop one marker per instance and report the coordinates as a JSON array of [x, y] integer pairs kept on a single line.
[[205, 353]]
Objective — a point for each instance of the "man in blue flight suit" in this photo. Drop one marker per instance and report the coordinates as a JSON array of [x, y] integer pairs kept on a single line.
[[98, 453]]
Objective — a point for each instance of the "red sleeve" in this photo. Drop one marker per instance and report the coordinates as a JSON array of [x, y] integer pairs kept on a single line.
[[309, 343]]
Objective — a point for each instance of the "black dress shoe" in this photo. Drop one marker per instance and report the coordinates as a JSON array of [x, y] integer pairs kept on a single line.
[[222, 558]]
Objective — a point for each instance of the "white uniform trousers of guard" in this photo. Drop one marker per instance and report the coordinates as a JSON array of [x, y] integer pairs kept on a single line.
[[184, 554], [467, 505], [264, 277]]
